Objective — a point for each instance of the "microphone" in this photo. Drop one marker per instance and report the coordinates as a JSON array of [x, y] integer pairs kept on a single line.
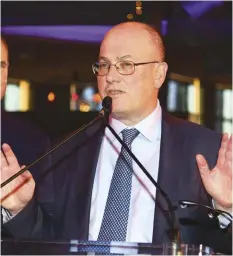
[[107, 108], [100, 116], [171, 209], [213, 213]]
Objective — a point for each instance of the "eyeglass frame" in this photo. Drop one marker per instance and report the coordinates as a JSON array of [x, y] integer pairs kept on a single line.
[[134, 64]]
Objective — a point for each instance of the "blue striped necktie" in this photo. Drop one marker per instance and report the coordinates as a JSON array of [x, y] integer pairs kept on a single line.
[[116, 214]]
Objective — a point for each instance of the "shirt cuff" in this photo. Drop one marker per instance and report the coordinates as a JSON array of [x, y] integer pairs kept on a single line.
[[6, 216], [223, 221]]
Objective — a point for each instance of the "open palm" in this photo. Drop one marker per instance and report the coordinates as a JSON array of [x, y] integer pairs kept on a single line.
[[16, 194], [218, 181]]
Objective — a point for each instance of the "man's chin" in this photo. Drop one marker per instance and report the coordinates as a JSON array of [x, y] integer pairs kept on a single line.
[[118, 107], [119, 111]]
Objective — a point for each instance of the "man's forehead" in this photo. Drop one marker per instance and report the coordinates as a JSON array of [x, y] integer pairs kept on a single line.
[[120, 50], [120, 44], [125, 41], [117, 58], [123, 52]]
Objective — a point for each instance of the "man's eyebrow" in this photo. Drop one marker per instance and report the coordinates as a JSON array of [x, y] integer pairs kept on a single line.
[[124, 57], [104, 58]]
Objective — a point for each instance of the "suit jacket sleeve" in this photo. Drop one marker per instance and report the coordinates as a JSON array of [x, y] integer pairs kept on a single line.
[[32, 222]]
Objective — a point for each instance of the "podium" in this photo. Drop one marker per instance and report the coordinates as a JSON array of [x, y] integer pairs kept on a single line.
[[78, 247]]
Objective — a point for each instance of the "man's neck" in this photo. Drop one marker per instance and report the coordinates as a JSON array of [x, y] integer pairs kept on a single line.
[[130, 119]]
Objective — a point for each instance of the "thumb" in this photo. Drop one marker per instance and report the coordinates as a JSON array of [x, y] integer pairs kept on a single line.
[[202, 165]]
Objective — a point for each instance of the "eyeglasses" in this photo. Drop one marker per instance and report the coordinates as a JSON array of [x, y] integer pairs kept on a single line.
[[122, 67]]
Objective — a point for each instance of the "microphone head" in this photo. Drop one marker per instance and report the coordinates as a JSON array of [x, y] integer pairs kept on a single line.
[[107, 107], [107, 104]]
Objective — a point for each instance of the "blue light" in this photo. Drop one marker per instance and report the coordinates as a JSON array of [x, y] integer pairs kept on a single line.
[[81, 33], [164, 24], [88, 93], [198, 8]]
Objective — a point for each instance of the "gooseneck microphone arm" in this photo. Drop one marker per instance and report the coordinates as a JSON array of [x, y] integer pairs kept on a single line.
[[100, 115], [212, 212], [107, 109]]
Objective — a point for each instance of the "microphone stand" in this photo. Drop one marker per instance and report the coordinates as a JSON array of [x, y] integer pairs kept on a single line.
[[100, 115], [213, 213], [107, 104]]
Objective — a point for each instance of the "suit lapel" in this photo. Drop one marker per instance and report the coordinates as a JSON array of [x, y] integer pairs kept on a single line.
[[75, 183], [88, 166], [170, 166]]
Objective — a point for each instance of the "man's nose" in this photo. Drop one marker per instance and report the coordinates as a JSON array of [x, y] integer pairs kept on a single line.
[[113, 75]]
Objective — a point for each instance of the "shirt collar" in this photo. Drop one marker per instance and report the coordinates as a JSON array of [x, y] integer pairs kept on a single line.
[[149, 127]]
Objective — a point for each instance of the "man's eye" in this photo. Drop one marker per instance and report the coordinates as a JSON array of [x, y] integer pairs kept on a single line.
[[126, 64], [104, 65], [3, 64]]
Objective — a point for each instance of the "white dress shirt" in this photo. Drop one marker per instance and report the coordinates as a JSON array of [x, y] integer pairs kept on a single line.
[[146, 147]]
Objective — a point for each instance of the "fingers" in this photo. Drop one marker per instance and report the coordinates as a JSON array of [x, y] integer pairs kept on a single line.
[[228, 156], [229, 145], [202, 165], [3, 160], [221, 158], [222, 151], [9, 155], [23, 179], [224, 142]]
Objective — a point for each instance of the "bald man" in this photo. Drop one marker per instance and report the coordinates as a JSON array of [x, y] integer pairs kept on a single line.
[[99, 192]]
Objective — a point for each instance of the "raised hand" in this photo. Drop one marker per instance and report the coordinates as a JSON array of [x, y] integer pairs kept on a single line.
[[218, 181], [15, 195]]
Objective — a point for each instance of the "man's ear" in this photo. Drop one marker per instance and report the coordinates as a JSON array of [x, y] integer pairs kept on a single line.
[[160, 74]]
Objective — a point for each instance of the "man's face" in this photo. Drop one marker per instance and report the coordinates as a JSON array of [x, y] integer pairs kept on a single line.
[[134, 96], [4, 68]]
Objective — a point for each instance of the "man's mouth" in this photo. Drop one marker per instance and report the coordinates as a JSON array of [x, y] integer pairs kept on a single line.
[[114, 92]]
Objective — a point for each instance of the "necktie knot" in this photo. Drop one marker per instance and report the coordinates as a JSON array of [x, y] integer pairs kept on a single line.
[[129, 135]]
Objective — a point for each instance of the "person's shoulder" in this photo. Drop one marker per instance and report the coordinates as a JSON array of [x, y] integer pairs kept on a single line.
[[13, 124], [192, 129], [26, 140]]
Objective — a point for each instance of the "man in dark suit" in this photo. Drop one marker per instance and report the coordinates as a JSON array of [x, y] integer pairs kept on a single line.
[[27, 141], [99, 193]]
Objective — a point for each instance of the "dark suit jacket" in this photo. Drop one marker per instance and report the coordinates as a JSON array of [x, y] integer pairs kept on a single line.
[[28, 143], [74, 168]]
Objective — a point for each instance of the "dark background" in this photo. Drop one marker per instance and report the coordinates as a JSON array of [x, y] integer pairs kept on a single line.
[[198, 44]]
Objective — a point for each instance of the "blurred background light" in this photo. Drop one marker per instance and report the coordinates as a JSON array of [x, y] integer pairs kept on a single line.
[[12, 98], [81, 33], [24, 95], [88, 93], [138, 11], [197, 8], [84, 107], [129, 16], [51, 97]]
